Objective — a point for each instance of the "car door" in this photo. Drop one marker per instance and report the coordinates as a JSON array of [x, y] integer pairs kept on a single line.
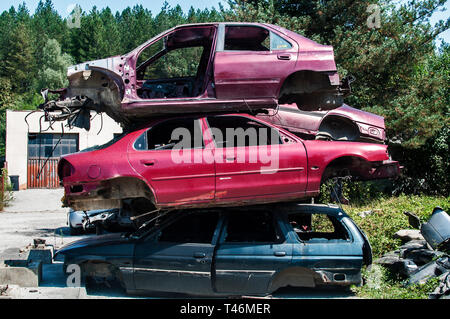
[[178, 257], [169, 156], [325, 244], [251, 250], [251, 62], [176, 66], [254, 159]]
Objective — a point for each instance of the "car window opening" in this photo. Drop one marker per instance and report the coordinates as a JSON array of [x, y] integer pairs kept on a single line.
[[317, 226], [116, 138], [180, 133], [238, 131], [176, 65], [251, 227], [246, 38], [191, 228]]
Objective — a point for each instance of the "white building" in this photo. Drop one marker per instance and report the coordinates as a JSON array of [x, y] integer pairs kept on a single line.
[[29, 148]]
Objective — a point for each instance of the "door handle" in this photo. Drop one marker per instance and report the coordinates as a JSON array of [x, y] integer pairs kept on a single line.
[[284, 56], [199, 255], [280, 253], [148, 162], [230, 158]]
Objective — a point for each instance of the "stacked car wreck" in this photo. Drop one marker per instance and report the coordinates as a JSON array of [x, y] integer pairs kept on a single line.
[[239, 75]]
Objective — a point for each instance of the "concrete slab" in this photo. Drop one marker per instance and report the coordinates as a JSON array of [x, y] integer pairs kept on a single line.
[[16, 292], [29, 276]]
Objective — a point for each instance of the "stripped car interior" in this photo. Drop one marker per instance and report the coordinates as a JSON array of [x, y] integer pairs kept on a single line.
[[231, 67]]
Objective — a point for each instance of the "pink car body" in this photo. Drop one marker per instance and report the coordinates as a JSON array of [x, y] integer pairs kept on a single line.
[[243, 66], [125, 169], [344, 123]]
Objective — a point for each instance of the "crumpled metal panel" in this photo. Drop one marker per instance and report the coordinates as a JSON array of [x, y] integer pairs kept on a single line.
[[437, 230]]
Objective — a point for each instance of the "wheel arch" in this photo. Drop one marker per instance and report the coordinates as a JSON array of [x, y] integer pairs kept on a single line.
[[338, 166], [311, 90], [295, 277], [347, 121], [120, 188]]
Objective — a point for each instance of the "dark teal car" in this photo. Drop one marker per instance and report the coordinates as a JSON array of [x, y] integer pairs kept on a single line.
[[242, 251]]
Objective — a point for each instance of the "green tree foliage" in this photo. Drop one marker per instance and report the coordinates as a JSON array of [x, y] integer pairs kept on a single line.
[[18, 61], [53, 71], [6, 101], [386, 61], [400, 73]]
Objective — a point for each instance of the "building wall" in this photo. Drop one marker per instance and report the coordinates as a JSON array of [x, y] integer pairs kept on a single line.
[[17, 137]]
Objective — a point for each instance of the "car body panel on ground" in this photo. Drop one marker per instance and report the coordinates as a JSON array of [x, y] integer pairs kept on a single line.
[[275, 246]]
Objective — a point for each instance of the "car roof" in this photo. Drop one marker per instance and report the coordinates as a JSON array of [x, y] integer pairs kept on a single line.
[[329, 209]]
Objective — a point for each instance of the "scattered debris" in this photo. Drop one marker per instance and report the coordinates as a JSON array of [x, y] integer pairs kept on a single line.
[[443, 290], [394, 263], [407, 235], [3, 290], [437, 230], [418, 259], [39, 243], [420, 256], [431, 270], [368, 212]]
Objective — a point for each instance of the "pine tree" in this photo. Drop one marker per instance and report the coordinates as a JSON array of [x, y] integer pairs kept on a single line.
[[18, 60]]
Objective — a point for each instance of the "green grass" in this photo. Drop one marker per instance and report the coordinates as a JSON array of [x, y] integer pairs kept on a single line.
[[388, 218], [380, 284]]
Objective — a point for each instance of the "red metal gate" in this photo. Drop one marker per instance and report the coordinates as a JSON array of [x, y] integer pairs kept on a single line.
[[49, 174]]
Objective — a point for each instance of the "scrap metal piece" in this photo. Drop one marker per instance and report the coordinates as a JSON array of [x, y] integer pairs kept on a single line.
[[437, 230], [430, 270], [413, 220], [443, 290]]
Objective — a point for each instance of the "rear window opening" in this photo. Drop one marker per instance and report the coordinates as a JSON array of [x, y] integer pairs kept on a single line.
[[314, 227], [185, 133]]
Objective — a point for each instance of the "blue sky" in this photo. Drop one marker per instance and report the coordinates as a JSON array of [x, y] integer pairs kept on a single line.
[[115, 5], [155, 6]]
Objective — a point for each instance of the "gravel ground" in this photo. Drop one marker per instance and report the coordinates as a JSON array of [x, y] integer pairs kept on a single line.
[[36, 200], [34, 213]]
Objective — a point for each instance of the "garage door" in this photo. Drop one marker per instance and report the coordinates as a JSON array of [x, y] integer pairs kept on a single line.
[[44, 151]]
